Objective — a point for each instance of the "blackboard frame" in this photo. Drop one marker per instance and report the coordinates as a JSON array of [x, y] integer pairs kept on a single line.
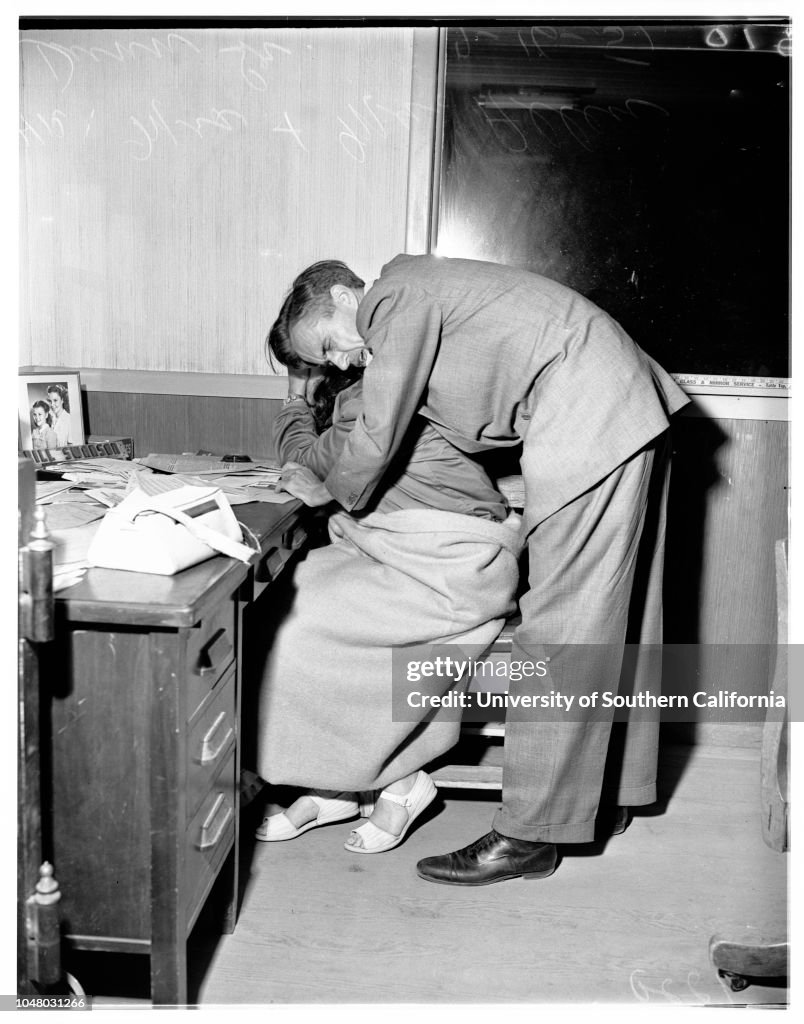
[[490, 69]]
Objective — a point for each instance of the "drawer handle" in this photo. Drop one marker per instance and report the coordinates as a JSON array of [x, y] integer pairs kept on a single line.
[[216, 653], [294, 538], [265, 569], [207, 841], [208, 754]]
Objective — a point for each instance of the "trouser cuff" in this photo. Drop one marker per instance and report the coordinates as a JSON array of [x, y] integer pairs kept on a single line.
[[577, 832], [574, 832], [638, 796]]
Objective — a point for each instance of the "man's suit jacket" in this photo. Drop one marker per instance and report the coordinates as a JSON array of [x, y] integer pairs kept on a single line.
[[489, 353]]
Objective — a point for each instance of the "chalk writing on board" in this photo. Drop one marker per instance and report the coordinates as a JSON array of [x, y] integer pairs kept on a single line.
[[371, 113], [360, 125], [463, 46], [219, 119], [61, 60], [43, 127], [264, 55], [348, 136], [580, 123], [758, 37], [288, 127], [621, 37], [148, 134], [538, 40], [157, 123], [535, 39]]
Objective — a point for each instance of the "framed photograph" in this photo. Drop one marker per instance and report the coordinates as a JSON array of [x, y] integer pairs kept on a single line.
[[50, 409]]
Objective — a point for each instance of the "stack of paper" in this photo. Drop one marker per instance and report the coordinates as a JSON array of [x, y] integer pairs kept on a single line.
[[73, 513], [70, 546], [98, 472], [72, 516], [68, 514]]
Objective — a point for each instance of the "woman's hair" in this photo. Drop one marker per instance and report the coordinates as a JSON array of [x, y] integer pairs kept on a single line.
[[309, 294], [327, 390], [43, 405], [62, 393]]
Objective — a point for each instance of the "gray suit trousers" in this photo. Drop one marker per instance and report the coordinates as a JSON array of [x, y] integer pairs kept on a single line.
[[595, 584]]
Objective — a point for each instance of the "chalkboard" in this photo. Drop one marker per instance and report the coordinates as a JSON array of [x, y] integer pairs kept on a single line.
[[175, 180], [646, 166]]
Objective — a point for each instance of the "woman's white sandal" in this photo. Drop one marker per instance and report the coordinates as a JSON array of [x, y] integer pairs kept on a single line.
[[377, 840], [277, 827]]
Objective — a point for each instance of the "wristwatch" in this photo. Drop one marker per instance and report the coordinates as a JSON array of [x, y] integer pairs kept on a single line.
[[294, 398]]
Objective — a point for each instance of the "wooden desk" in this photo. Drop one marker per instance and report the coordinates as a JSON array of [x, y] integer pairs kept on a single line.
[[141, 698]]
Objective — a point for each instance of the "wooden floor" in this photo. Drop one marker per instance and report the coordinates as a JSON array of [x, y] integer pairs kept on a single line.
[[624, 922]]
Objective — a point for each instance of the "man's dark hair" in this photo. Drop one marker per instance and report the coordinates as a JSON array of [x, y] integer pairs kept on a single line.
[[309, 295]]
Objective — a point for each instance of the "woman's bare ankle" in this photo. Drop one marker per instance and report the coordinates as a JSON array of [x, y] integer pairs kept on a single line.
[[403, 786]]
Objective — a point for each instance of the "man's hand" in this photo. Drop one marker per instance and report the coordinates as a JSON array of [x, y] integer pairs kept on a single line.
[[303, 484]]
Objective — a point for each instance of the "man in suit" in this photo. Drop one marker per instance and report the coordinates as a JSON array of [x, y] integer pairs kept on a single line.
[[493, 356]]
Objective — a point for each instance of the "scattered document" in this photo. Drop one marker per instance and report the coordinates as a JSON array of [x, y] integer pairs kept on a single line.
[[107, 496], [75, 493], [70, 546], [65, 515], [99, 472], [241, 482], [51, 490], [200, 464], [256, 485]]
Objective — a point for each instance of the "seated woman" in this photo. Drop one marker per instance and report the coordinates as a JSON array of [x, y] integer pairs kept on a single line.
[[433, 561]]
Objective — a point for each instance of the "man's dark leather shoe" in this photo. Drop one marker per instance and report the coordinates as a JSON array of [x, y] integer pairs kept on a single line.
[[611, 821], [622, 819], [490, 859]]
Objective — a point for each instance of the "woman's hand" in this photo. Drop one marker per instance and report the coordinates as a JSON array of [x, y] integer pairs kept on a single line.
[[303, 484], [303, 382], [297, 381]]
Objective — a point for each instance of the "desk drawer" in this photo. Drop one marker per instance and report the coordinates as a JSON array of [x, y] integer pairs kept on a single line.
[[278, 548], [211, 740], [209, 838], [268, 567], [211, 648]]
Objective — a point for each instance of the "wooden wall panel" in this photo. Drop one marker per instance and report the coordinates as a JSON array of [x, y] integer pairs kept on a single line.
[[728, 505], [175, 181], [185, 423]]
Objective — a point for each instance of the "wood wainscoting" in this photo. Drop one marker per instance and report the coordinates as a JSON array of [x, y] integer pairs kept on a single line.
[[186, 423]]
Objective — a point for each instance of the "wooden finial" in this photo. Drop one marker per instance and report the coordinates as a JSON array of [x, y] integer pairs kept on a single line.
[[39, 529], [47, 888]]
